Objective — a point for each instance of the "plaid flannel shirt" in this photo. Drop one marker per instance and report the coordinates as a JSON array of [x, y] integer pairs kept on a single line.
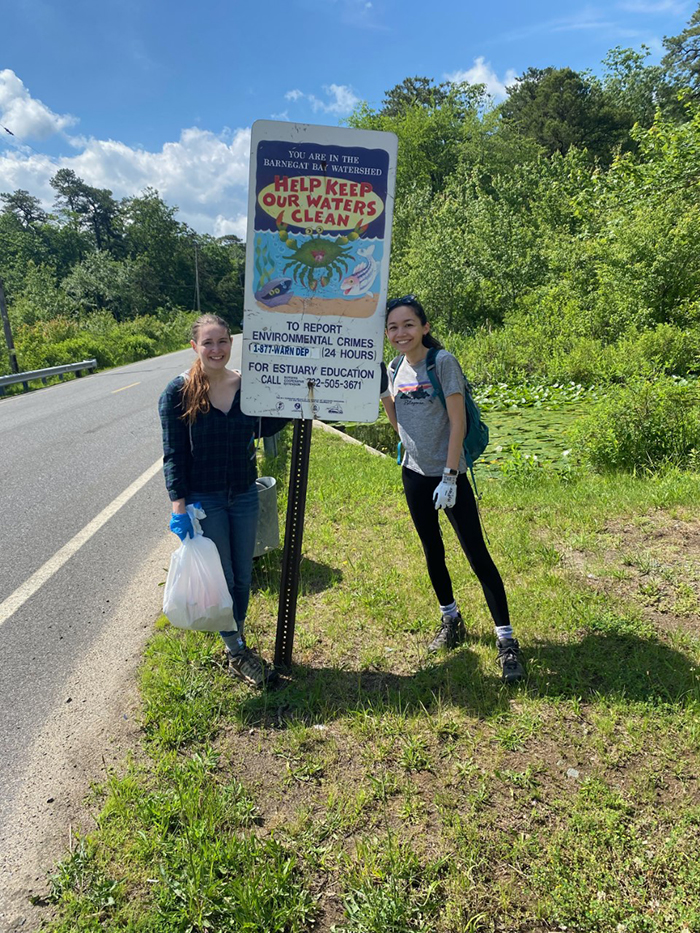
[[216, 453]]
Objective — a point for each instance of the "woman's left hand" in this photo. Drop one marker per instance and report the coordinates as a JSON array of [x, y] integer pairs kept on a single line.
[[181, 525], [445, 494]]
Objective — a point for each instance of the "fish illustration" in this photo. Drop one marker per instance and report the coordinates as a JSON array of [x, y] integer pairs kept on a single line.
[[275, 292], [363, 275]]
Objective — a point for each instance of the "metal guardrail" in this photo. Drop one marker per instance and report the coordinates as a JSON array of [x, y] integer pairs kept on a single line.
[[44, 374]]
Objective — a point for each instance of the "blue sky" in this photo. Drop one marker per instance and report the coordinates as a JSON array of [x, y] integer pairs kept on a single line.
[[131, 94]]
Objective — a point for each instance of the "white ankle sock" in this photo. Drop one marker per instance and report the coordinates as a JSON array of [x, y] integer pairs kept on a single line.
[[503, 631], [234, 643], [450, 610]]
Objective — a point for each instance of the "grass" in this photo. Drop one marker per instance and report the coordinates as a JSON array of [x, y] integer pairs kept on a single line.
[[379, 790]]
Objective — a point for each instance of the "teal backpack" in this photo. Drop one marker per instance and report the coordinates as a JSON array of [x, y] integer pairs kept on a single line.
[[477, 437]]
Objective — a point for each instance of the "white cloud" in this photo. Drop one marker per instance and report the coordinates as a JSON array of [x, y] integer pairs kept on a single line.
[[340, 99], [223, 226], [481, 72], [27, 117], [204, 174]]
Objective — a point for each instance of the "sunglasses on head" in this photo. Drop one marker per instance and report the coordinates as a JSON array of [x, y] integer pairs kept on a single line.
[[409, 300]]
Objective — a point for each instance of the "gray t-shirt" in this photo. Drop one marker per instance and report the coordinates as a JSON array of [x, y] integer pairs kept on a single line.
[[424, 427]]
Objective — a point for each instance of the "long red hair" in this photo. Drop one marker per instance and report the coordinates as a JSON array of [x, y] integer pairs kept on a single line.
[[195, 391]]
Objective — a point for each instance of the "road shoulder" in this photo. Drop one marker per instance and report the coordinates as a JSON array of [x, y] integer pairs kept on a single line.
[[92, 726]]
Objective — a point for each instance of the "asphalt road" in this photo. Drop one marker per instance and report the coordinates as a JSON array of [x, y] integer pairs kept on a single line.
[[66, 453]]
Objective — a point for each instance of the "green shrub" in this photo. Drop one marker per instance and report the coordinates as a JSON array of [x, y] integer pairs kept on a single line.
[[526, 351], [643, 425], [81, 347], [167, 334], [132, 347], [665, 349], [98, 336], [33, 341]]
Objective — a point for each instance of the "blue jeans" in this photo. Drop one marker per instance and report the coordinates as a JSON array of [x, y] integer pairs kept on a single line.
[[232, 523]]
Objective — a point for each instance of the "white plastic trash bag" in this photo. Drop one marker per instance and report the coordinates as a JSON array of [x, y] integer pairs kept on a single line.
[[196, 595]]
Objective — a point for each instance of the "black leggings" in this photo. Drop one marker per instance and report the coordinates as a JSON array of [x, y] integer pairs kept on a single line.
[[464, 518]]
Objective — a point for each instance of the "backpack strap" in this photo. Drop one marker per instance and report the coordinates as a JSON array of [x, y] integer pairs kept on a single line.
[[432, 375], [435, 382], [395, 369]]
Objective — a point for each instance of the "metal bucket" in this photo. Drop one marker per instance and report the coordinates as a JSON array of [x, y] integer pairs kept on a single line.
[[267, 537]]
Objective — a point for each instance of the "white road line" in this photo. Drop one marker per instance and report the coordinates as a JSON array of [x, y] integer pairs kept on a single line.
[[17, 599], [130, 386]]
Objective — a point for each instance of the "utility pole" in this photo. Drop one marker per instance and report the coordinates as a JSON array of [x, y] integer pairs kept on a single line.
[[196, 278], [8, 331]]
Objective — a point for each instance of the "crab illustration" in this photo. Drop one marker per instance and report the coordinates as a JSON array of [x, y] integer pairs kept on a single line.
[[331, 256]]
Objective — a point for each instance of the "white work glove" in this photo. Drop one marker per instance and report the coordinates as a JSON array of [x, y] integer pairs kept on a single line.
[[445, 494]]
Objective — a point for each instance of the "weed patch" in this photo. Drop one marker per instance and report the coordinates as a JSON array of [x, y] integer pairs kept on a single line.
[[381, 789]]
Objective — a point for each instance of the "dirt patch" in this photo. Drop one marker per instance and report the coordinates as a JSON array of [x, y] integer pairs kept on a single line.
[[472, 785], [653, 561], [81, 742]]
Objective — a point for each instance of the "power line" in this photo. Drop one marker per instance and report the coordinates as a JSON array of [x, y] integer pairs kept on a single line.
[[19, 144]]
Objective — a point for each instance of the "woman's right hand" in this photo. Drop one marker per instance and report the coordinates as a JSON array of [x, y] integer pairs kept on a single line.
[[181, 525]]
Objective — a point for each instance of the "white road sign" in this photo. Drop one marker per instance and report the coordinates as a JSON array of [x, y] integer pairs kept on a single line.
[[320, 207]]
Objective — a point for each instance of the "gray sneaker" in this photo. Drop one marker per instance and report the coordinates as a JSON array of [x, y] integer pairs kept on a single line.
[[450, 634], [251, 668], [509, 660]]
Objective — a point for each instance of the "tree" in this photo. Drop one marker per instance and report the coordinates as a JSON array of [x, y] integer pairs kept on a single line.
[[93, 209], [431, 131], [25, 207], [18, 248], [560, 108], [41, 298], [160, 242], [102, 283], [682, 57], [635, 88], [221, 275], [421, 92]]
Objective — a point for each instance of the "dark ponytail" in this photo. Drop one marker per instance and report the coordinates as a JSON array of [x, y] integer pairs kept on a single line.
[[432, 342]]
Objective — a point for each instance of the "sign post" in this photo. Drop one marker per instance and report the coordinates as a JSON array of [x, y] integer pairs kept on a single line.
[[293, 536], [320, 207]]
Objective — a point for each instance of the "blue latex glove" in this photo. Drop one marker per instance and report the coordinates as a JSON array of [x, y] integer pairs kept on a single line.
[[181, 525]]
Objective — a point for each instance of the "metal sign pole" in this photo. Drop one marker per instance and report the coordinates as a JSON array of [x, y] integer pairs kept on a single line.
[[293, 536], [8, 334]]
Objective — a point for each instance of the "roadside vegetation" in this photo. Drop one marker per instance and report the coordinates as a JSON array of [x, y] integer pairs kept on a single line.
[[378, 790]]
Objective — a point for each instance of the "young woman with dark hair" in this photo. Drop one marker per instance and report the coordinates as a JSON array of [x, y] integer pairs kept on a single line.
[[209, 458], [434, 474]]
